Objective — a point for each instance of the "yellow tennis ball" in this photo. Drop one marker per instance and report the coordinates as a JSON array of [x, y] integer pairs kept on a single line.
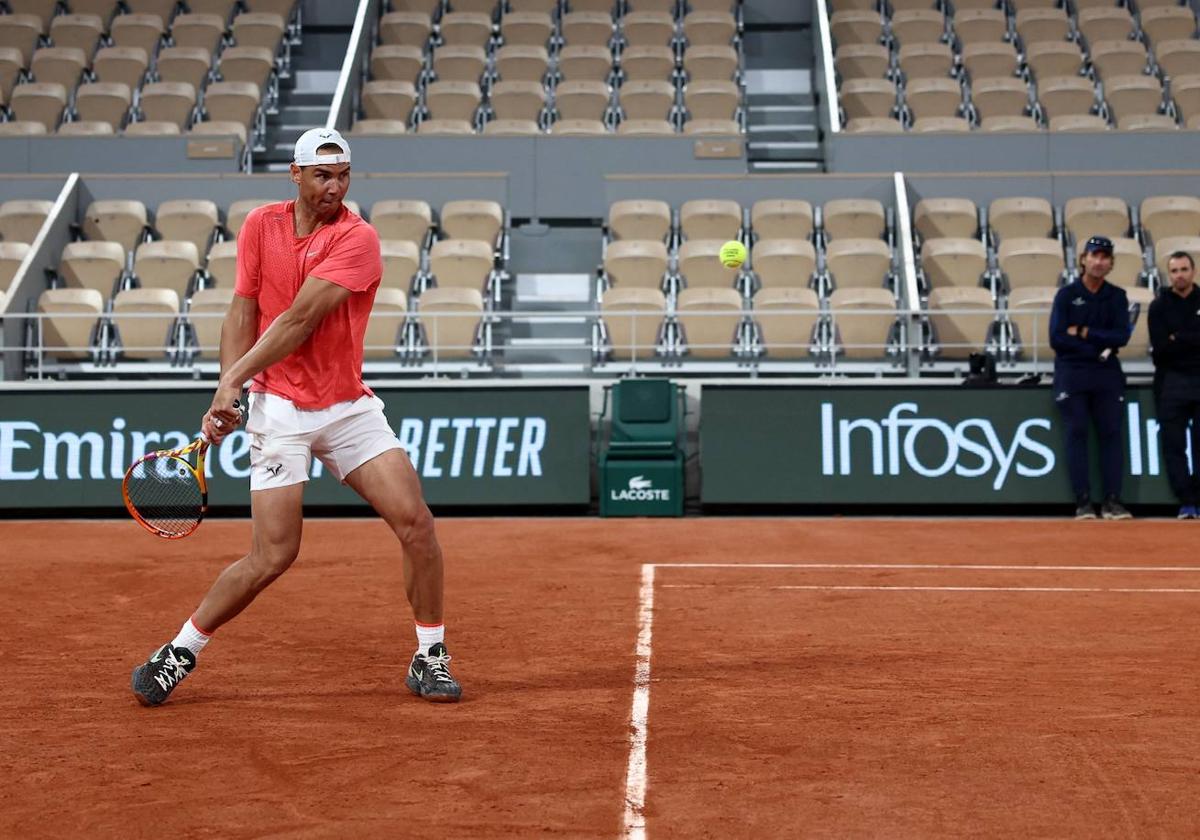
[[733, 254]]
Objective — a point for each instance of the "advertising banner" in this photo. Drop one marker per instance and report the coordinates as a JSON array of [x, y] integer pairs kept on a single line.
[[471, 446], [908, 445]]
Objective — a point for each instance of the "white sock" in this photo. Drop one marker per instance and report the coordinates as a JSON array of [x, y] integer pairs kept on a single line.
[[191, 637], [429, 635]]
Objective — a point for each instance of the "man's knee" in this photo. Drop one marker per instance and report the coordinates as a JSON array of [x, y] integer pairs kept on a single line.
[[416, 526], [267, 562]]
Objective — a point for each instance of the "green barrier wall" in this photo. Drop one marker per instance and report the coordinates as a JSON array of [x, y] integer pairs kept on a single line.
[[494, 446], [905, 445]]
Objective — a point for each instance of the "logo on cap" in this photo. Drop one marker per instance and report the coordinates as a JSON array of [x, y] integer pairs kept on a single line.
[[1099, 243]]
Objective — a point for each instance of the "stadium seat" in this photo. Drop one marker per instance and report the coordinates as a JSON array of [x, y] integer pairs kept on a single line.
[[785, 320], [42, 10], [874, 125], [219, 128], [171, 102], [918, 26], [862, 319], [397, 62], [868, 98], [1030, 261], [919, 61], [232, 102], [1012, 123], [1118, 58], [954, 261], [1164, 247], [1185, 90], [81, 31], [633, 319], [163, 8], [1138, 347], [784, 263], [203, 31], [853, 217], [700, 266], [405, 27], [648, 64], [449, 320], [246, 64], [283, 8], [934, 97], [584, 63], [1028, 314], [465, 28], [710, 322], [221, 264], [581, 100], [85, 128], [402, 219], [522, 63], [1087, 216], [977, 26], [858, 263], [461, 264], [544, 6], [710, 219], [1178, 57], [710, 62], [164, 264], [378, 128], [712, 128], [1037, 25], [594, 28], [114, 220], [12, 254], [1164, 216], [962, 319], [11, 65], [636, 263], [860, 61], [21, 32], [528, 29], [1066, 96], [781, 218], [104, 9], [39, 102], [518, 100], [1166, 22], [925, 125], [21, 219], [206, 313], [92, 265], [644, 29], [126, 65], [385, 327], [106, 102], [401, 263], [151, 128], [145, 321], [22, 128], [388, 100], [646, 128], [639, 219], [511, 128], [69, 329], [709, 28], [235, 215], [855, 27], [1051, 59], [61, 65], [1078, 122], [258, 29], [452, 100], [145, 31], [1000, 96], [479, 220], [187, 220], [945, 217], [1105, 23], [1147, 122], [1133, 95], [1020, 216]]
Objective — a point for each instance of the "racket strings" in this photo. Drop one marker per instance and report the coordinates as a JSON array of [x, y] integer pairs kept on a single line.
[[167, 496]]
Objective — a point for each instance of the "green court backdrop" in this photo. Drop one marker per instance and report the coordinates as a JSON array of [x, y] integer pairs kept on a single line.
[[880, 445], [471, 446]]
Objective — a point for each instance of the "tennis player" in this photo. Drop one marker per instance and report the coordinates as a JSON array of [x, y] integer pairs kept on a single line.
[[307, 271]]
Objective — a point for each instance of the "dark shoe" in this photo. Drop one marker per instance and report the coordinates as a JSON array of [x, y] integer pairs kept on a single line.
[[1113, 509], [154, 681], [429, 676], [1084, 509], [1188, 512]]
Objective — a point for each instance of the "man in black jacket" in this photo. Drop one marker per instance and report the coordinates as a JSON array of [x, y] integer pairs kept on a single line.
[[1175, 339], [1089, 324]]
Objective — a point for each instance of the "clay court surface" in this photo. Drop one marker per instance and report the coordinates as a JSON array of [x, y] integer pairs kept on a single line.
[[820, 697]]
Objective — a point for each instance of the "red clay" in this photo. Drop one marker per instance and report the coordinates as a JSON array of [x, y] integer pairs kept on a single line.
[[773, 712]]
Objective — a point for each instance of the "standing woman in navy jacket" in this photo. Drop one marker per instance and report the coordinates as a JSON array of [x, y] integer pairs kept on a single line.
[[1089, 323]]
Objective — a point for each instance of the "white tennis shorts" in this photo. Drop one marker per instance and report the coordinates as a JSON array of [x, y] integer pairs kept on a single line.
[[284, 439]]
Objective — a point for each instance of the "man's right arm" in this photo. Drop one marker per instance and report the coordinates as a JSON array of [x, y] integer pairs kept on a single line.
[[239, 330]]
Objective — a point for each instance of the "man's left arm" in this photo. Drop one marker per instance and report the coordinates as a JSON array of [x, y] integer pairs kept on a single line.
[[1117, 315]]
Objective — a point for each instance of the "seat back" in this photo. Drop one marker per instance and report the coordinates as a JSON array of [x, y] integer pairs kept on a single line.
[[784, 263], [206, 314], [710, 319], [954, 261], [21, 219], [145, 320], [461, 263], [639, 219], [1031, 261], [188, 220], [116, 220], [449, 320], [710, 219], [934, 218], [1021, 217], [402, 219], [962, 319], [700, 265], [636, 263], [858, 263], [787, 318], [165, 264], [633, 319], [853, 217], [388, 314], [401, 263], [71, 321], [862, 319], [1029, 315]]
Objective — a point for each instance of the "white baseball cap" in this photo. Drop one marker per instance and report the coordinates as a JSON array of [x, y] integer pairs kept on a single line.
[[315, 138]]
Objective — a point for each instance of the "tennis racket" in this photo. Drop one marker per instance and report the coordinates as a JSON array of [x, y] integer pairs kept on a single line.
[[165, 492]]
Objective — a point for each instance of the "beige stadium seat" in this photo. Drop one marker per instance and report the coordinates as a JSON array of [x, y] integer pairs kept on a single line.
[[918, 26], [145, 320], [43, 10], [1029, 316], [145, 31], [164, 264], [1000, 96], [581, 100], [258, 29], [11, 65], [990, 59], [633, 319], [40, 102], [232, 102], [106, 102], [388, 100], [645, 219], [21, 32], [786, 318], [1167, 245], [104, 9], [862, 320], [640, 29], [22, 128], [449, 320], [518, 100], [1010, 123], [61, 65], [530, 29], [465, 28], [1031, 261], [702, 27], [1051, 59], [642, 63], [710, 219], [1105, 23], [1178, 57], [72, 318], [1138, 347], [934, 218], [936, 97], [1133, 95], [92, 265], [522, 63], [283, 8], [718, 62], [585, 63], [187, 220], [21, 219], [511, 128], [962, 319], [544, 6], [710, 321], [1022, 216], [163, 8], [646, 128], [855, 27], [636, 263], [184, 64], [700, 265], [1039, 25], [220, 8], [147, 128], [1087, 216], [85, 128], [405, 27], [81, 31], [954, 261], [1113, 59], [402, 219], [479, 220], [1164, 216], [784, 263], [221, 264], [1147, 122], [1128, 260], [126, 65], [874, 125], [378, 128], [115, 220], [858, 263], [922, 61], [854, 217], [401, 263], [868, 98], [397, 62], [385, 327], [974, 26], [711, 100], [12, 254], [595, 28], [575, 128], [861, 61], [235, 215], [1066, 95], [246, 64], [199, 30], [647, 100], [1078, 122], [461, 264], [171, 102], [205, 316], [781, 218], [452, 100], [712, 128], [1166, 22], [1185, 90], [425, 6]]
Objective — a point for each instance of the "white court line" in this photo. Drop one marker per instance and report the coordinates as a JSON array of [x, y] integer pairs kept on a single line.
[[635, 774], [975, 567], [935, 588]]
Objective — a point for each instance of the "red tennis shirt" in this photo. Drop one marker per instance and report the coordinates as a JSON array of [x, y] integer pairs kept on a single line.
[[272, 264]]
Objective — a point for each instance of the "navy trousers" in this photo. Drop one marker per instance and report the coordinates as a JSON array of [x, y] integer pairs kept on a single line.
[[1179, 403], [1084, 397]]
